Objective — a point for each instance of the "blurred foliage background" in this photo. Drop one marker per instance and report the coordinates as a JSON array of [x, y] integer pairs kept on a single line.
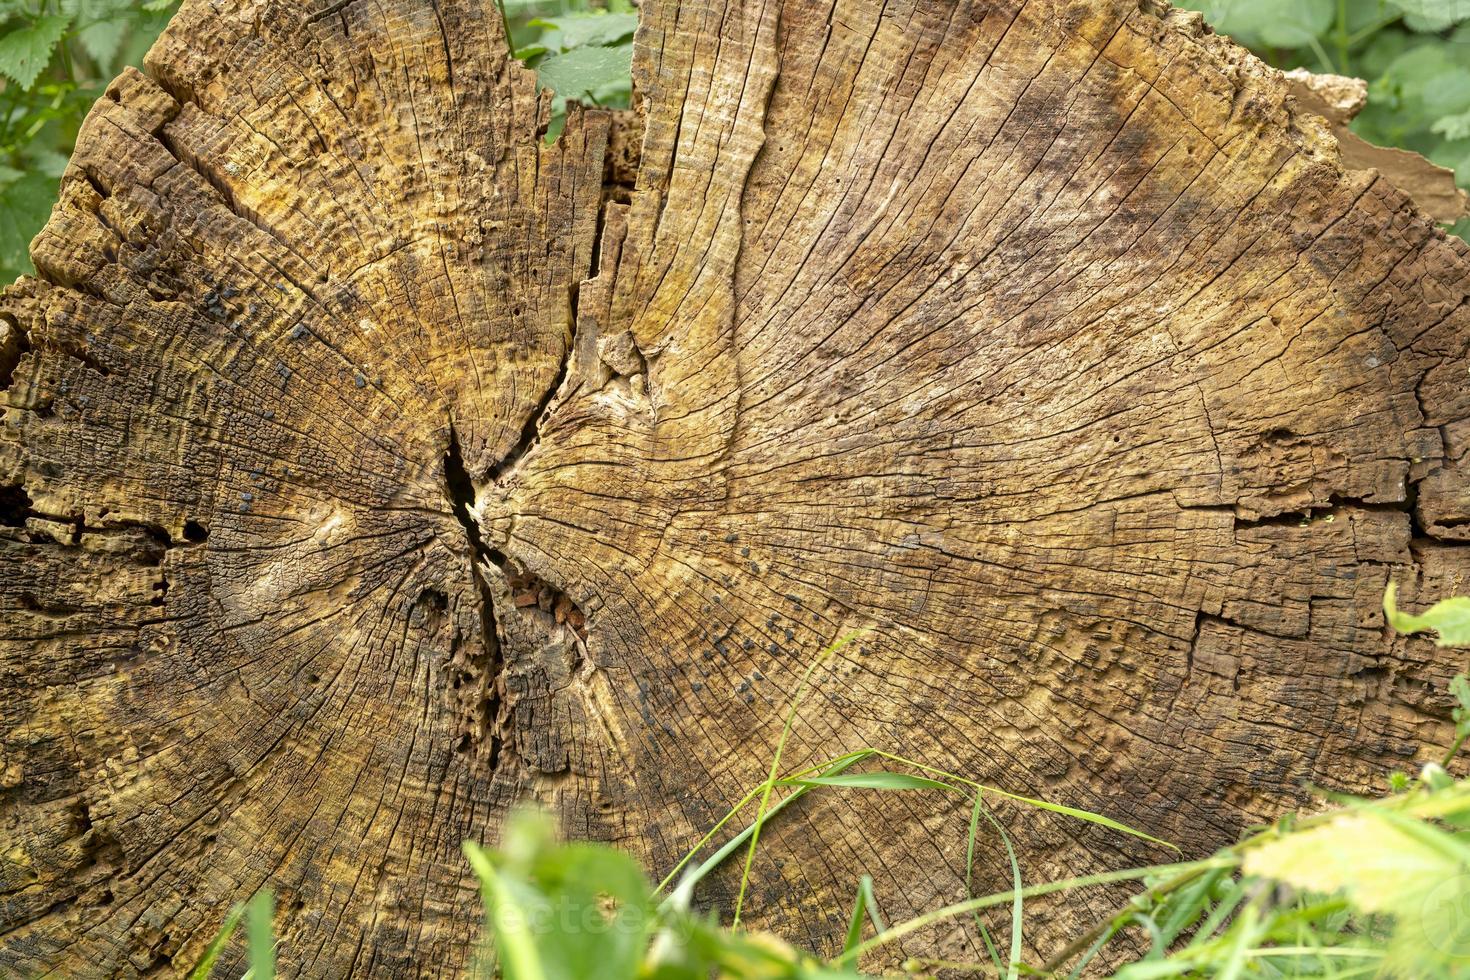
[[1414, 54], [56, 56]]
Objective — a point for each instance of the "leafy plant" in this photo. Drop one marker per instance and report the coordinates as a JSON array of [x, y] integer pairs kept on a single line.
[[1415, 55], [580, 52], [56, 57], [1375, 887]]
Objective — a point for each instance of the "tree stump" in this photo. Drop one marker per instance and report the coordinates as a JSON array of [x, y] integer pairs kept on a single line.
[[369, 465]]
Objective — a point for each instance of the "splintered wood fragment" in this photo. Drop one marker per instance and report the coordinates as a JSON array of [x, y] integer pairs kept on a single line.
[[369, 465]]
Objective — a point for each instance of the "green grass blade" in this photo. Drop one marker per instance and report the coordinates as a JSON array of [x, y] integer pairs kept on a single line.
[[1084, 815], [896, 932], [1013, 968], [205, 966], [870, 780], [516, 946], [831, 766], [770, 783], [259, 916], [1222, 911], [990, 948], [733, 844], [1246, 929], [864, 907]]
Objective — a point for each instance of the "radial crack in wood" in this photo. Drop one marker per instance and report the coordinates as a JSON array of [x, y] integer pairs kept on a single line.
[[369, 465]]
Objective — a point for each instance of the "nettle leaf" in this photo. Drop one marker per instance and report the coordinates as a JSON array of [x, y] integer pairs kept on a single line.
[[1433, 15], [102, 25], [25, 204], [1296, 23], [584, 70], [1450, 618], [581, 30], [1456, 127], [24, 52], [1279, 23]]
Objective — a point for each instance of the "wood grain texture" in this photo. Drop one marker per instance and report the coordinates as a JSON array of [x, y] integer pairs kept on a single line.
[[368, 465]]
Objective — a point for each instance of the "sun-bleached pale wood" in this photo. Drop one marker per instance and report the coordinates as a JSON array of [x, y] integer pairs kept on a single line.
[[368, 465]]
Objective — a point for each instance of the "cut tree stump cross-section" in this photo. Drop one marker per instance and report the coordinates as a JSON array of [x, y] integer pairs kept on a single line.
[[369, 464]]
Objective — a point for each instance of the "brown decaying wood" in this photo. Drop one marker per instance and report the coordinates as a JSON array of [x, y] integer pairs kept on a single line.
[[368, 465]]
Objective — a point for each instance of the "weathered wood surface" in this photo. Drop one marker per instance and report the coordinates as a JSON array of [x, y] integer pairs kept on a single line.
[[367, 465]]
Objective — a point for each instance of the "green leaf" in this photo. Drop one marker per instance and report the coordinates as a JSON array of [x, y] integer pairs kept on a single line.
[[576, 73], [103, 40], [562, 910], [1460, 688], [508, 910], [1277, 23], [25, 52], [51, 163], [1385, 863], [1296, 23], [1455, 127], [1449, 618], [582, 30], [1373, 862], [870, 780], [101, 27], [25, 204], [1433, 16]]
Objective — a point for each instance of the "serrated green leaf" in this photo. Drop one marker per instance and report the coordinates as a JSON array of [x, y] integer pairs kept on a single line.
[[26, 51], [103, 40], [1449, 618], [101, 27], [1372, 861], [1385, 863], [25, 204], [1456, 127], [584, 70], [582, 30]]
